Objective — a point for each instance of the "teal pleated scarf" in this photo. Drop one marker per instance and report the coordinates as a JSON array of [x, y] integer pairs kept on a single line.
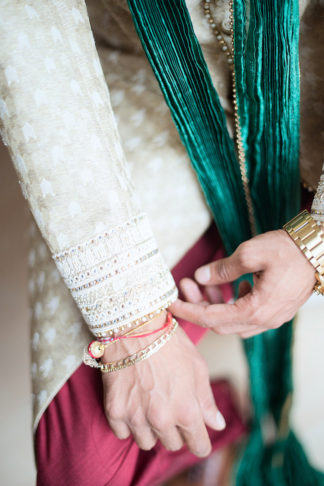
[[266, 66]]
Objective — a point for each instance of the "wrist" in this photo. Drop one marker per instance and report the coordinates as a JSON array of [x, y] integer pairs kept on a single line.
[[154, 323], [308, 235], [124, 347]]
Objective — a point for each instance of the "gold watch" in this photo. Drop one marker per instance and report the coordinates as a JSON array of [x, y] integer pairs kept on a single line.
[[309, 237]]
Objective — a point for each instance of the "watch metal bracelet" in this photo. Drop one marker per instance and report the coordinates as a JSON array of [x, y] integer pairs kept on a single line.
[[309, 237]]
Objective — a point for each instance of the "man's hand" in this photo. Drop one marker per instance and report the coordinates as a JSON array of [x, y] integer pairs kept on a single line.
[[283, 281], [166, 397]]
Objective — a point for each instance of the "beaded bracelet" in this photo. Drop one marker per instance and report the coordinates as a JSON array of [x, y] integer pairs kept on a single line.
[[96, 349], [110, 339], [134, 358]]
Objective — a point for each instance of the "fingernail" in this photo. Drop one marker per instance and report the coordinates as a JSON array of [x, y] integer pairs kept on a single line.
[[203, 274], [220, 421], [204, 453]]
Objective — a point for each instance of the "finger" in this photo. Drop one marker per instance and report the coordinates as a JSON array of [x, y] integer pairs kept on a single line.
[[171, 439], [144, 437], [119, 428], [247, 258], [191, 291], [210, 413], [213, 294], [196, 437], [191, 312], [213, 316], [221, 318]]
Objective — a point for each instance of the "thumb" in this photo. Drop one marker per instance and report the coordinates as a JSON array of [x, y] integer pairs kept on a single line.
[[243, 260]]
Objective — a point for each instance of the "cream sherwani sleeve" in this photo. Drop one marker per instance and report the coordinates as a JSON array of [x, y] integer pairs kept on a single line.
[[57, 121]]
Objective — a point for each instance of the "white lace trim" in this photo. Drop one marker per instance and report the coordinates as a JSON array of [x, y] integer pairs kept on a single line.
[[118, 277]]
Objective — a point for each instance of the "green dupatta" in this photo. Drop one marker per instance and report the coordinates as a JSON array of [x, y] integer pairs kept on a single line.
[[266, 66]]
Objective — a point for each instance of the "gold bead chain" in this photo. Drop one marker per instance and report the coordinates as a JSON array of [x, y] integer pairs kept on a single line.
[[229, 51]]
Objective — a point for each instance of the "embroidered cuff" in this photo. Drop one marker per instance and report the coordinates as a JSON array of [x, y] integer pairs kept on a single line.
[[118, 278], [318, 202]]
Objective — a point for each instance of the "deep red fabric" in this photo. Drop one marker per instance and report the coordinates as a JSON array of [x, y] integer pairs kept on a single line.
[[73, 442]]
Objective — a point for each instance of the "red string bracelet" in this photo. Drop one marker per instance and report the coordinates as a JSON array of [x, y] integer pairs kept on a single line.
[[167, 323], [96, 348]]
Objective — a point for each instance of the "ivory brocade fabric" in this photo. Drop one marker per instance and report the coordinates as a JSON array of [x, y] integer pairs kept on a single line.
[[114, 209]]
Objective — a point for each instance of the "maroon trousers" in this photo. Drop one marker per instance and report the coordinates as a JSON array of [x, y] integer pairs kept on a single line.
[[74, 444]]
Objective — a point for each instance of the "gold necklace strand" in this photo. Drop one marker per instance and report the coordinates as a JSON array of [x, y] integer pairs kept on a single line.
[[229, 51]]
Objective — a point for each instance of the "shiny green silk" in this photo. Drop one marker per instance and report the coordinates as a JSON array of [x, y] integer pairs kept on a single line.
[[266, 66]]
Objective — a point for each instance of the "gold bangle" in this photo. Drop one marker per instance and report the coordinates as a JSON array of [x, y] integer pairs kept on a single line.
[[96, 349], [309, 237], [95, 329], [134, 358], [129, 333]]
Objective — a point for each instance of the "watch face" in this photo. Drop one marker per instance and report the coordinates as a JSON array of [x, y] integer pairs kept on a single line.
[[96, 349]]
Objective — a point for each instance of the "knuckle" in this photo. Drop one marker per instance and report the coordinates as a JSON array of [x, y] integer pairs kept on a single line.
[[244, 254], [189, 417], [208, 402], [257, 319], [113, 411], [208, 316], [248, 308], [221, 269], [137, 421], [160, 421], [261, 316], [254, 312]]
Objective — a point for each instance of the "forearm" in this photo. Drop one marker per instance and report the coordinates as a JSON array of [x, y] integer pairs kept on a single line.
[[58, 123]]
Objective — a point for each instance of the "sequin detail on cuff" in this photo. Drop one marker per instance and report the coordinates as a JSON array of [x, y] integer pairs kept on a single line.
[[318, 201], [118, 277]]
